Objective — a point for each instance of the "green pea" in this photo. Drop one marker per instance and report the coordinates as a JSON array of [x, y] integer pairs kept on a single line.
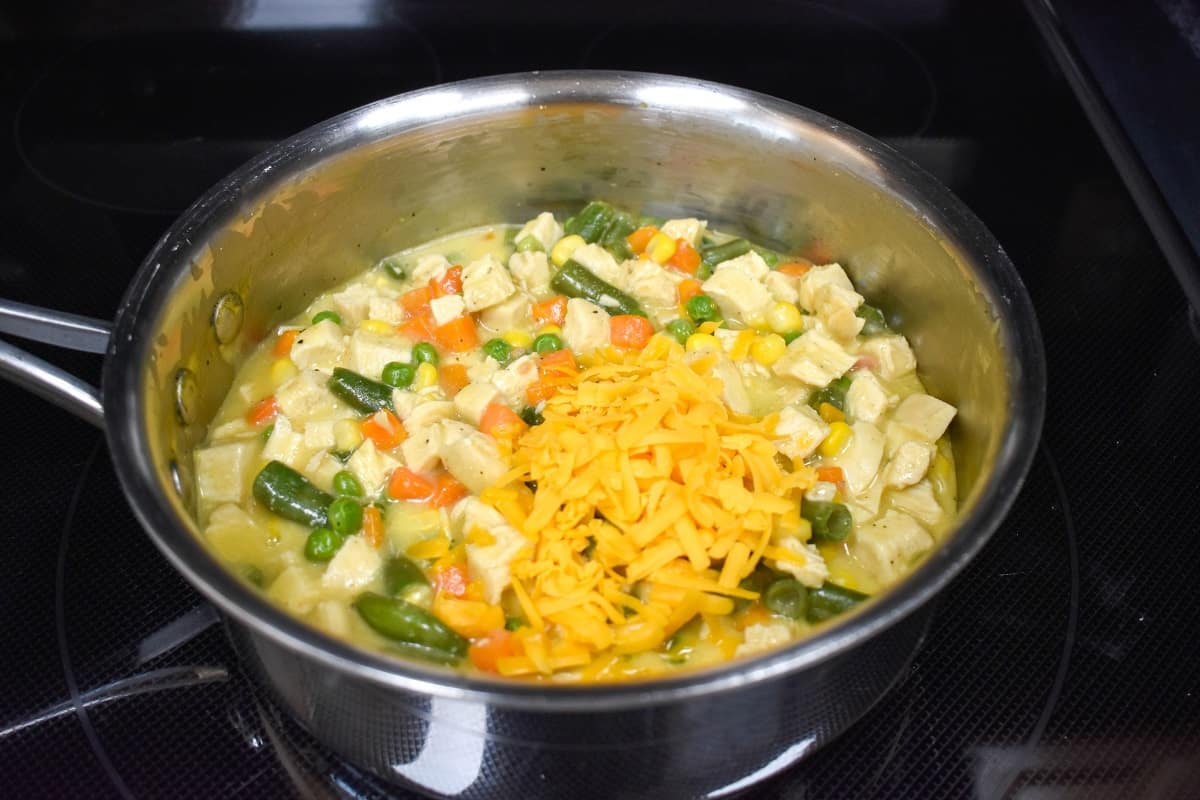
[[322, 544], [425, 353], [703, 308], [345, 516], [529, 244], [531, 416], [547, 343], [786, 597], [327, 315], [681, 329], [399, 375], [346, 485], [498, 350]]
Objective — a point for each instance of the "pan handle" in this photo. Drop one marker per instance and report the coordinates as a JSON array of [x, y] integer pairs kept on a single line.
[[41, 377]]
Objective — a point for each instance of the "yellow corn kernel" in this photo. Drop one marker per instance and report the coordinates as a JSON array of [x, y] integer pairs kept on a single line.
[[660, 248], [377, 326], [427, 375], [566, 247], [740, 347], [784, 318], [831, 413], [768, 349], [347, 435], [836, 441], [703, 343], [282, 371], [518, 338], [426, 549], [479, 537], [708, 327], [550, 329]]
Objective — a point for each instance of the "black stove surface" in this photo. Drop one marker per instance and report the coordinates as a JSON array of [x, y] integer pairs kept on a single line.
[[1061, 664]]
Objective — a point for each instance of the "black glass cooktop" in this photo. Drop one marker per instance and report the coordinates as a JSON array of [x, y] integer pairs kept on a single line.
[[1061, 664]]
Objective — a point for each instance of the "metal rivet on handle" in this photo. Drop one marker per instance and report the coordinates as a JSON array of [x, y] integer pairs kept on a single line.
[[227, 315], [185, 395], [177, 479]]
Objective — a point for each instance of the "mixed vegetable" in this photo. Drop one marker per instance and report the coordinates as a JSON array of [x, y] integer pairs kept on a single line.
[[593, 450]]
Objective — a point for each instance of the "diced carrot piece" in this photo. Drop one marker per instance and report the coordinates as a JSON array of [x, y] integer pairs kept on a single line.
[[408, 485], [458, 335], [453, 377], [449, 283], [550, 312], [450, 580], [686, 258], [502, 422], [419, 329], [447, 491], [283, 345], [796, 268], [560, 363], [384, 429], [641, 237], [373, 526], [689, 288], [263, 412], [830, 474], [498, 644], [538, 392], [469, 618], [629, 331]]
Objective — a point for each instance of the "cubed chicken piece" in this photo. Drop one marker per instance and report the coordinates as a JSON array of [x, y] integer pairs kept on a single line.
[[808, 566], [750, 264], [489, 564], [370, 352], [690, 229], [817, 279], [657, 288], [429, 267], [861, 458], [864, 506], [404, 402], [601, 263], [319, 346], [511, 314], [353, 303], [371, 467], [919, 501], [307, 397], [446, 308], [485, 283], [286, 445], [835, 308], [427, 414], [223, 471], [887, 546], [891, 354], [470, 456], [385, 309], [333, 617], [738, 294], [927, 416], [422, 448], [321, 468], [532, 271], [353, 568], [236, 428], [544, 227], [866, 399], [586, 327], [296, 589], [473, 398], [318, 434], [763, 636], [909, 464], [783, 288], [734, 390], [513, 380], [815, 359], [480, 368], [800, 431]]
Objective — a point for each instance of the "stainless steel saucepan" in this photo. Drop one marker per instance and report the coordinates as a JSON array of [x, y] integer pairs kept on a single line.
[[327, 203]]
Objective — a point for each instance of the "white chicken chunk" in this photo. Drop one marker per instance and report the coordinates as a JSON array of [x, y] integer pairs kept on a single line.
[[370, 352], [489, 563], [306, 397], [817, 278], [891, 355], [353, 303], [223, 471], [925, 415], [734, 390], [473, 399], [532, 271], [784, 288], [371, 467], [485, 283], [828, 293], [286, 445], [814, 358], [353, 568], [800, 431], [586, 327], [812, 571], [513, 380], [909, 464], [690, 229], [601, 263], [511, 314], [319, 346], [544, 227], [864, 506], [422, 449], [426, 414], [385, 309], [318, 434], [750, 264], [297, 589], [887, 546], [738, 294], [919, 501], [656, 288], [861, 458], [429, 267], [763, 636], [321, 468], [446, 308], [866, 399], [470, 456]]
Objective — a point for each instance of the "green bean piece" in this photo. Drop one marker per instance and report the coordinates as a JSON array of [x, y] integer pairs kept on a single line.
[[874, 322], [322, 544], [703, 308], [834, 394], [681, 329], [530, 244], [513, 624], [287, 493], [547, 343], [591, 222], [498, 350], [346, 485], [829, 600], [756, 581], [531, 416], [425, 353], [360, 392], [332, 316], [786, 597], [345, 516], [399, 375], [409, 624], [614, 238], [575, 280], [267, 431], [792, 336], [717, 253], [422, 653], [394, 267], [769, 257], [399, 573], [831, 522]]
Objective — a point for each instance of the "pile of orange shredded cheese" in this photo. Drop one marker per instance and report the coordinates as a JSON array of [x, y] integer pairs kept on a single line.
[[642, 464]]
